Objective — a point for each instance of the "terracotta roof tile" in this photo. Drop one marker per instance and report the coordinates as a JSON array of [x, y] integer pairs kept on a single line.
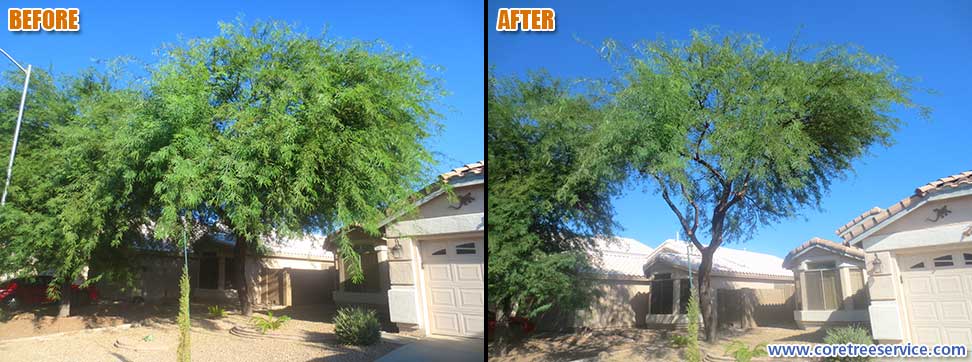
[[837, 247], [472, 168], [876, 215]]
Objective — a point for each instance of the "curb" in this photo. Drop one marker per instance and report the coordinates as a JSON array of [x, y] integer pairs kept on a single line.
[[61, 334]]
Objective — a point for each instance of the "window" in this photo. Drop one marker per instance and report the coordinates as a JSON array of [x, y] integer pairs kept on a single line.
[[439, 252], [968, 258], [820, 265], [659, 276], [661, 296], [918, 266], [208, 271], [467, 248], [944, 260], [823, 289]]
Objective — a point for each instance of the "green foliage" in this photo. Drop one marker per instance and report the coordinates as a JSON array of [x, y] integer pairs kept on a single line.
[[743, 353], [269, 323], [260, 131], [693, 353], [679, 340], [357, 326], [735, 135], [184, 323], [850, 334], [539, 226], [272, 131], [215, 311]]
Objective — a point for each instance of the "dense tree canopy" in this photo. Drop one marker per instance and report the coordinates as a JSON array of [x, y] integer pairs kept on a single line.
[[539, 228], [260, 132], [735, 135]]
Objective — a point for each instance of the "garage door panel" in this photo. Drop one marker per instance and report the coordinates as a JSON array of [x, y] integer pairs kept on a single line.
[[938, 297], [446, 323], [439, 272], [471, 298], [456, 294], [442, 297], [958, 336], [956, 311], [949, 284], [469, 273], [919, 285], [924, 312], [473, 325], [928, 335]]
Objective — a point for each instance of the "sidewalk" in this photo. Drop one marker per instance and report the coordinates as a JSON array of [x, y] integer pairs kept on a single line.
[[438, 349]]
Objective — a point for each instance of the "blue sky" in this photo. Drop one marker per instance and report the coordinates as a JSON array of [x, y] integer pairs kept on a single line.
[[931, 40], [444, 33]]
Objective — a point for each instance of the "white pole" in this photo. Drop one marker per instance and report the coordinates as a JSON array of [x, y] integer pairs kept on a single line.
[[20, 117]]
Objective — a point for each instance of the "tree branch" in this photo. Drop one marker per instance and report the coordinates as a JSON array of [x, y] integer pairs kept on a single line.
[[681, 218]]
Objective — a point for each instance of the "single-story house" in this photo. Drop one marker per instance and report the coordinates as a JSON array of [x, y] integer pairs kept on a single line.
[[425, 272], [621, 299], [829, 281], [668, 265], [289, 272], [918, 257]]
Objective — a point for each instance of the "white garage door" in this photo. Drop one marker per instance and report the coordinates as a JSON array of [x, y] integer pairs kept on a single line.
[[454, 286], [938, 295]]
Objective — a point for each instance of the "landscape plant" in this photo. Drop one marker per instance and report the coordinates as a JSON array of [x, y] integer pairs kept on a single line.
[[269, 323], [743, 353], [854, 334], [215, 311], [357, 326]]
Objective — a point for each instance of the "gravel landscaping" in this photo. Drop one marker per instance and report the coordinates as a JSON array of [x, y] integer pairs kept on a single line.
[[626, 345], [156, 340]]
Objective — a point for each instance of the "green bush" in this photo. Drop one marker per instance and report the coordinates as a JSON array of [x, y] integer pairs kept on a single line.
[[849, 334], [269, 322], [183, 320], [679, 340], [742, 353], [215, 311], [693, 353], [357, 326]]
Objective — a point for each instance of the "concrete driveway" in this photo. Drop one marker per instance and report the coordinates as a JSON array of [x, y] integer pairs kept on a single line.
[[438, 349]]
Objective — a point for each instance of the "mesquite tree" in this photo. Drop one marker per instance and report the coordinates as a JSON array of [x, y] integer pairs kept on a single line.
[[735, 135], [276, 133]]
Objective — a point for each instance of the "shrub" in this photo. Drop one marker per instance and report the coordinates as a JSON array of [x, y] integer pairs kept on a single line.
[[679, 340], [215, 311], [183, 321], [357, 326], [849, 334], [269, 322], [693, 353], [742, 353]]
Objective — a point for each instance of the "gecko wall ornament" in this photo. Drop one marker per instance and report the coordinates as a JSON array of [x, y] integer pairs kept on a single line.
[[463, 201], [940, 213]]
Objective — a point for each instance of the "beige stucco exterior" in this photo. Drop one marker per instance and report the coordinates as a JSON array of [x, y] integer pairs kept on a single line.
[[846, 312], [402, 293], [913, 232]]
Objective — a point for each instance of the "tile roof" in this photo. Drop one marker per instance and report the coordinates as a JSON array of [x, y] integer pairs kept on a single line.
[[472, 168], [876, 215], [621, 257], [726, 261], [839, 248]]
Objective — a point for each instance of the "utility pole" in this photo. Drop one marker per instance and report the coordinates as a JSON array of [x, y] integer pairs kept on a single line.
[[20, 117]]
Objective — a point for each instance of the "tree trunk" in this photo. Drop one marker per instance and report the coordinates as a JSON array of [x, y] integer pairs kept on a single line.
[[242, 282], [65, 304], [706, 296]]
